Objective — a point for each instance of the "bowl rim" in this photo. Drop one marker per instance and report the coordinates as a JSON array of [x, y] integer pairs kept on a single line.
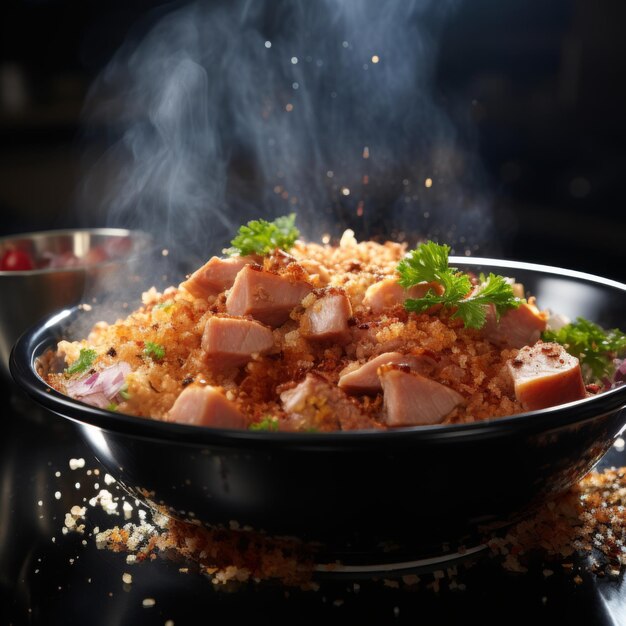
[[139, 235], [38, 338]]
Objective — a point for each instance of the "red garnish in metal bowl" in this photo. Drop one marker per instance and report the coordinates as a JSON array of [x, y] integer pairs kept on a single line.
[[16, 261]]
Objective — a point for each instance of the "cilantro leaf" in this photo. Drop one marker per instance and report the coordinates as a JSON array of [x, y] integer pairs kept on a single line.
[[429, 263], [268, 423], [154, 350], [83, 363], [263, 237], [591, 344]]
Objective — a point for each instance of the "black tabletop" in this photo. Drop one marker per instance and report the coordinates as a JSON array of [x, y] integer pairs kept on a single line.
[[51, 576]]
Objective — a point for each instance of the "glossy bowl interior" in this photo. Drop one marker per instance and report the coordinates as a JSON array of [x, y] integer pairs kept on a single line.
[[360, 494], [29, 295]]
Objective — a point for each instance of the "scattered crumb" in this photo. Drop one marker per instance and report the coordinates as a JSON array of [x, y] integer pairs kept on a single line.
[[588, 521], [77, 464], [582, 531]]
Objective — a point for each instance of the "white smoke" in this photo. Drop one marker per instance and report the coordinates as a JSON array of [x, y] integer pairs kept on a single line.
[[227, 111]]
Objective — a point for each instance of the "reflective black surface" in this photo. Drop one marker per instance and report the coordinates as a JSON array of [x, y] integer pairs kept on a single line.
[[61, 581]]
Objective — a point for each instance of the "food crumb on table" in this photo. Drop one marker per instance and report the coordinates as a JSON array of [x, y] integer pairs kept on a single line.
[[582, 532]]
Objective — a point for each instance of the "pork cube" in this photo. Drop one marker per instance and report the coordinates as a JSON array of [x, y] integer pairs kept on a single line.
[[206, 406], [266, 296], [546, 375], [215, 276], [364, 379], [316, 404], [228, 341], [326, 320], [516, 328], [411, 399]]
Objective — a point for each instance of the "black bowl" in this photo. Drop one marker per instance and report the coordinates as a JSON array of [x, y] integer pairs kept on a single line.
[[381, 495]]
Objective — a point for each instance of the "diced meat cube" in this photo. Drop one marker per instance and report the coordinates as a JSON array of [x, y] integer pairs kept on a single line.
[[411, 399], [315, 404], [228, 341], [205, 406], [215, 276], [546, 375], [365, 380], [385, 293], [517, 327], [265, 296], [388, 292], [326, 320]]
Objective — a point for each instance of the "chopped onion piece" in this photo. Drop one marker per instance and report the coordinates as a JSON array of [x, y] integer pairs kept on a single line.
[[100, 388]]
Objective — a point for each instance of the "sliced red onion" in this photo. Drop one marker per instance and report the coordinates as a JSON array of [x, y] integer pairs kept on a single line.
[[620, 372], [100, 388], [112, 379], [96, 399], [84, 386]]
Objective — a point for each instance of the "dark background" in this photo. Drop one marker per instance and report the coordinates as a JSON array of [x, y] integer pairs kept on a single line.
[[540, 82]]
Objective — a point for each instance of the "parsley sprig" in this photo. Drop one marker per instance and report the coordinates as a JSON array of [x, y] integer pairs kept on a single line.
[[429, 263], [83, 362], [591, 344], [262, 237]]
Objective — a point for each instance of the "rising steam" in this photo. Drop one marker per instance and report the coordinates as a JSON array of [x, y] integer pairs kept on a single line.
[[227, 111]]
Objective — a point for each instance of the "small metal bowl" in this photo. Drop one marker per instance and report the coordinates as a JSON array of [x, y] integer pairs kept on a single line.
[[29, 295], [370, 495]]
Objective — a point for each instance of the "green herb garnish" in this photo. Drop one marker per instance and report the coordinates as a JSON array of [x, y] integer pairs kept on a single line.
[[154, 350], [262, 237], [83, 362], [592, 345], [112, 407], [268, 423], [429, 263], [123, 392]]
